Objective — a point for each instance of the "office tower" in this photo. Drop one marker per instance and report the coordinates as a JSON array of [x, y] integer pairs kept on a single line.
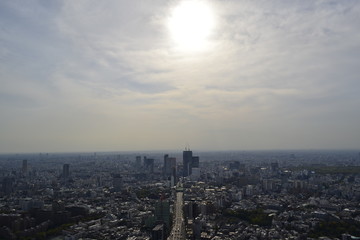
[[66, 171], [158, 232], [166, 156], [8, 185], [149, 164], [173, 178], [195, 162], [24, 166], [187, 160], [117, 182], [162, 213], [195, 174], [169, 165]]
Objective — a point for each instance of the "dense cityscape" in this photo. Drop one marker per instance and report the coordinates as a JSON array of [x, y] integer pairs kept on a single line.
[[181, 195], [179, 120]]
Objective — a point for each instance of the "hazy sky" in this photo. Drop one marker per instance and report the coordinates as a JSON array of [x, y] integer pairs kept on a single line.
[[110, 75]]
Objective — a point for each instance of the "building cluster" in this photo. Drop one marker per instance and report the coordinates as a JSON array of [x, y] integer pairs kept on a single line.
[[226, 195]]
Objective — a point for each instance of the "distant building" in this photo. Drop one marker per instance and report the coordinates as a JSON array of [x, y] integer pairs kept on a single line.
[[298, 184], [66, 171], [235, 165], [149, 164], [27, 204], [195, 175], [158, 232], [24, 166], [249, 190], [169, 165], [173, 178], [189, 162], [274, 166], [187, 159], [117, 182], [8, 185], [195, 162], [162, 214], [268, 184]]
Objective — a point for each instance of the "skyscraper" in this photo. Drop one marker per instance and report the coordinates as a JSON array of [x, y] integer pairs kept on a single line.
[[169, 165], [149, 165], [187, 162], [195, 162], [162, 213]]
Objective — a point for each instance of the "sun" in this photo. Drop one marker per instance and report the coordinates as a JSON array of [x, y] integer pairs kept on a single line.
[[190, 24]]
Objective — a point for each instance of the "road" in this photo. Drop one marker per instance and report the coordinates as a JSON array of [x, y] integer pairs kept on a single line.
[[178, 230]]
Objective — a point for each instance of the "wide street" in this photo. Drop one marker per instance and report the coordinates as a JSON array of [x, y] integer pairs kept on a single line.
[[178, 230]]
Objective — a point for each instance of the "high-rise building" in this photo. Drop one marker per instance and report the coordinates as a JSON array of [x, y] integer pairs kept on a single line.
[[173, 178], [162, 213], [158, 232], [66, 171], [24, 166], [8, 185], [169, 165], [195, 175], [166, 156], [117, 182], [149, 164], [189, 162], [195, 162]]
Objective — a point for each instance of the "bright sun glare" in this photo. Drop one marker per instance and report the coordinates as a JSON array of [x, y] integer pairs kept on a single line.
[[190, 24]]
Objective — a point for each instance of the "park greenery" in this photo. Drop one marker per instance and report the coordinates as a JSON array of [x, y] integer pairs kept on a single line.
[[256, 217]]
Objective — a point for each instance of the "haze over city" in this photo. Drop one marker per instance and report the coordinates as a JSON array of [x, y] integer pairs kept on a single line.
[[153, 75]]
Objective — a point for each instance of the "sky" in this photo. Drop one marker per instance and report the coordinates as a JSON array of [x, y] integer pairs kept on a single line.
[[116, 75]]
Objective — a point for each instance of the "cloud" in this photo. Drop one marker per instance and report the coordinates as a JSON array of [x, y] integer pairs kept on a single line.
[[275, 69]]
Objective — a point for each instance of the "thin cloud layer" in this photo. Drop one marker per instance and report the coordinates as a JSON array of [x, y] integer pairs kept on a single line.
[[90, 75]]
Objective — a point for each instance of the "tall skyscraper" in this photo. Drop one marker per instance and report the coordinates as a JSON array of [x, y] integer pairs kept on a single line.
[[66, 171], [24, 166], [187, 161], [149, 164], [162, 213], [169, 165]]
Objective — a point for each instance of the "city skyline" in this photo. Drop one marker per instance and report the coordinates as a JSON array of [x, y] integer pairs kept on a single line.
[[91, 76]]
